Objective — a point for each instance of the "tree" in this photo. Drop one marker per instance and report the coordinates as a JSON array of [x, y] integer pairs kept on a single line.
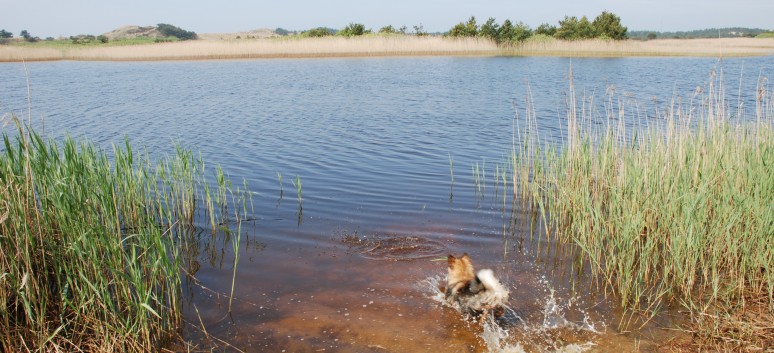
[[652, 36], [28, 37], [5, 34], [505, 32], [510, 33], [567, 28], [546, 29], [607, 24], [465, 29], [318, 32], [168, 30], [389, 29], [281, 31], [572, 29], [353, 29], [490, 29], [585, 30], [419, 30]]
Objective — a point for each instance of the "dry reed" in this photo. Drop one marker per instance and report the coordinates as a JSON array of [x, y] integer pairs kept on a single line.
[[388, 46]]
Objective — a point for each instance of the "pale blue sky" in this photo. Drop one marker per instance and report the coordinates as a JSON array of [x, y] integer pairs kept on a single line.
[[54, 18]]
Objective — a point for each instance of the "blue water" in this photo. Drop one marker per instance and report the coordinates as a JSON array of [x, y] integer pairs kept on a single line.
[[371, 140]]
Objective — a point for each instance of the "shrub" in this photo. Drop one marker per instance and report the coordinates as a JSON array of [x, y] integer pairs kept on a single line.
[[389, 29], [318, 32], [168, 30], [353, 29]]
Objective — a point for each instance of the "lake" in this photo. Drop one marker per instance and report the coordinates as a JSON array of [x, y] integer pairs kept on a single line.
[[385, 150]]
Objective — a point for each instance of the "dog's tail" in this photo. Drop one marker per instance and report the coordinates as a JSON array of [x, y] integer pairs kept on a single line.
[[490, 282]]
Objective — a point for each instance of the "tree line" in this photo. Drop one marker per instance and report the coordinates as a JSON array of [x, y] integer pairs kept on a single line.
[[730, 32], [605, 26]]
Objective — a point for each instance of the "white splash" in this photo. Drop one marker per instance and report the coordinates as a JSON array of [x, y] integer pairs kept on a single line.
[[500, 339]]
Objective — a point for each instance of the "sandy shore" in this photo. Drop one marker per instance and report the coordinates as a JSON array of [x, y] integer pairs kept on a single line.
[[387, 46]]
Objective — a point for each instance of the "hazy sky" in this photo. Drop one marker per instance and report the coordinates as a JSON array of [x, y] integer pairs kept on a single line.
[[54, 18]]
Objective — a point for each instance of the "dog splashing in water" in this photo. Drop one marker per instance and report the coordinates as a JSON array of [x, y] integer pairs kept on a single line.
[[477, 294]]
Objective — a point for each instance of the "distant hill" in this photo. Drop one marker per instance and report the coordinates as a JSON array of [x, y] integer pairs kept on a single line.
[[731, 32], [130, 32]]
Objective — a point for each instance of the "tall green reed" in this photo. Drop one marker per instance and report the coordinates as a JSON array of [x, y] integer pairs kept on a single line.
[[677, 212], [91, 248]]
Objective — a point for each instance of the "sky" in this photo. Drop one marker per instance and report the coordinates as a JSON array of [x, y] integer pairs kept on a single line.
[[54, 18]]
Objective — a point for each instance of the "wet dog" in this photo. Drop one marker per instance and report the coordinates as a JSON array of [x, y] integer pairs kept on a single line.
[[477, 294]]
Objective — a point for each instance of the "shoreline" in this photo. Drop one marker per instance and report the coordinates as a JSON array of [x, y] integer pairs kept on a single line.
[[387, 46]]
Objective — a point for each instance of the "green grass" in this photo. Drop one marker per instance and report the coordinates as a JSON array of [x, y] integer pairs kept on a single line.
[[92, 247], [765, 35], [682, 214], [67, 43]]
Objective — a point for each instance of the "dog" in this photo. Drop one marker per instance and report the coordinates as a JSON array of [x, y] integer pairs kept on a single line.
[[477, 294]]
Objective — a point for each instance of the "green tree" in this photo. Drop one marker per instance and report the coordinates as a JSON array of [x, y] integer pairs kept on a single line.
[[5, 34], [353, 29], [546, 29], [571, 28], [465, 29], [281, 31], [607, 24], [419, 30], [505, 32], [490, 29], [567, 28], [584, 29], [389, 29], [510, 33], [652, 36], [318, 32], [168, 30]]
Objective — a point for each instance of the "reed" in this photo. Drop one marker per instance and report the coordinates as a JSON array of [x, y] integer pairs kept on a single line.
[[379, 45], [91, 246], [678, 213]]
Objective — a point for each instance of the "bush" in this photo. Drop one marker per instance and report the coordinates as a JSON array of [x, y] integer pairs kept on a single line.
[[281, 31], [353, 29], [84, 39], [389, 29], [318, 32], [168, 30]]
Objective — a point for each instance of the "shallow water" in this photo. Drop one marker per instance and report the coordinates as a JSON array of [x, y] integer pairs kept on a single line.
[[355, 269]]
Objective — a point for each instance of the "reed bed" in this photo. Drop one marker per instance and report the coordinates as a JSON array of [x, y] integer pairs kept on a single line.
[[721, 47], [680, 212], [396, 45], [92, 246]]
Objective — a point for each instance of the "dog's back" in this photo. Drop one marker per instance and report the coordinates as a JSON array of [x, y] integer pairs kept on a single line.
[[474, 293]]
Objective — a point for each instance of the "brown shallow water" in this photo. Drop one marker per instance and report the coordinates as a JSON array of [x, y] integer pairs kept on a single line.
[[301, 290]]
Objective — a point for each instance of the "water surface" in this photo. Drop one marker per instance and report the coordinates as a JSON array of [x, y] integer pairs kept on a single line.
[[375, 142]]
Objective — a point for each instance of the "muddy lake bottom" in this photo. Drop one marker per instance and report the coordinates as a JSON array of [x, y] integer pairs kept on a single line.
[[350, 291]]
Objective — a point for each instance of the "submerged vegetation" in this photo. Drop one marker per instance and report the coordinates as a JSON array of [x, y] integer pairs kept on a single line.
[[677, 213], [92, 244]]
